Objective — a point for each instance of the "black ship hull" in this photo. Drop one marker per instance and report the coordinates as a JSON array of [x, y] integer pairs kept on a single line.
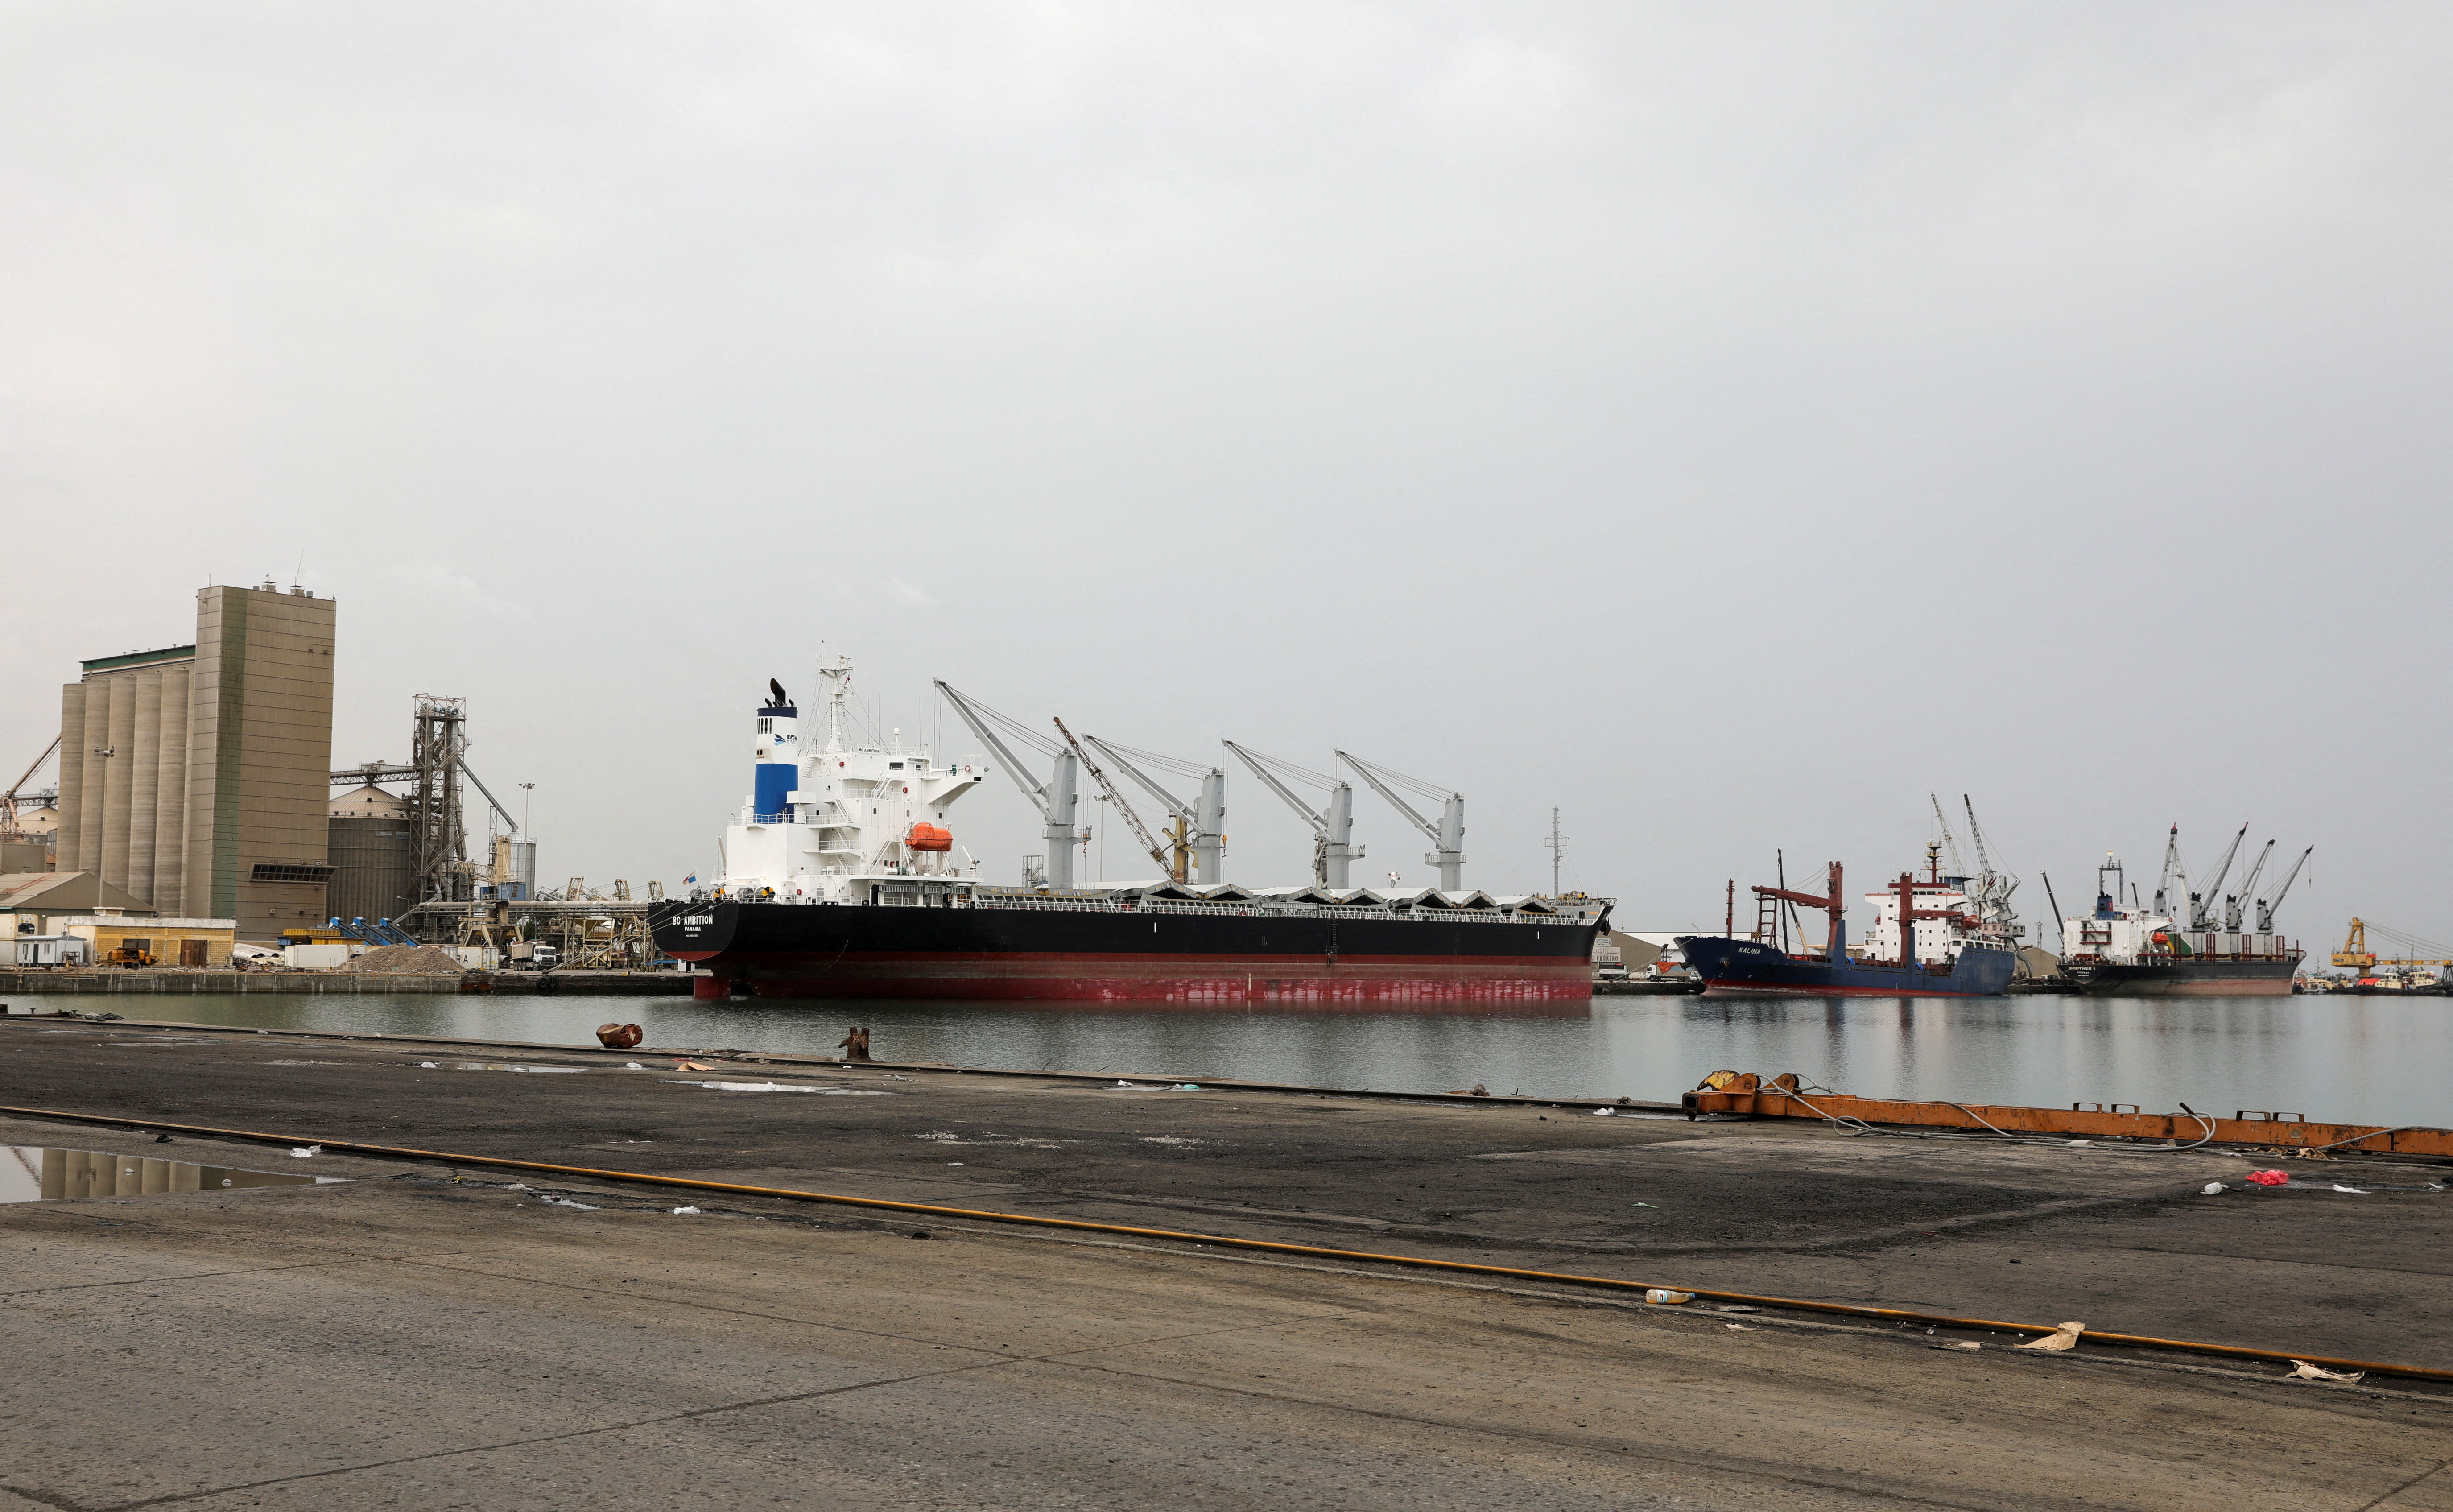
[[1058, 949], [2186, 977]]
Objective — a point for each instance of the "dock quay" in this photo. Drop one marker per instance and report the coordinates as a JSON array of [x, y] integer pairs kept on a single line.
[[117, 981], [657, 1324]]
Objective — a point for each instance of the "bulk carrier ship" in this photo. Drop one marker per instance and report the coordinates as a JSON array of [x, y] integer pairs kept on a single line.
[[839, 882], [2183, 944]]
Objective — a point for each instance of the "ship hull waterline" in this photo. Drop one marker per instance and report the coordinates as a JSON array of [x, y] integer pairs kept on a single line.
[[1747, 968], [1222, 961], [2183, 979]]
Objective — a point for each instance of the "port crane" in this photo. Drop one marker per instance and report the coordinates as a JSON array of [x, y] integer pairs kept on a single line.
[[1332, 827], [10, 828], [1056, 799], [1200, 826], [1447, 837], [1174, 869], [2356, 954]]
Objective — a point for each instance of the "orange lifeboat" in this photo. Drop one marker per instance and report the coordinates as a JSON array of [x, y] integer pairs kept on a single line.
[[928, 837]]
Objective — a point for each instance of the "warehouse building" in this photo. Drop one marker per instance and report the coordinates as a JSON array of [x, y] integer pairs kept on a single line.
[[194, 778]]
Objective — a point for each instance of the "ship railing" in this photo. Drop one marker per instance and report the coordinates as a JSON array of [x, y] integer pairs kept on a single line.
[[1250, 910]]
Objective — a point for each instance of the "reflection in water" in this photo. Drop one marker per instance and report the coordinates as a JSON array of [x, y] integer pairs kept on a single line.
[[2367, 1060], [34, 1174]]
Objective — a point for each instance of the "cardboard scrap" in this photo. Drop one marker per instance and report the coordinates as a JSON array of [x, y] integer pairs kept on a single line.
[[2065, 1337]]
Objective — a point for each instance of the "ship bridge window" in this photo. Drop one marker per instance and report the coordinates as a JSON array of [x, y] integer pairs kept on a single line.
[[894, 766], [765, 726]]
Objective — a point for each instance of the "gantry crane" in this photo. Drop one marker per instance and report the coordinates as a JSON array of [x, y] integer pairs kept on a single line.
[[1200, 826], [1448, 836], [1332, 827], [1055, 799]]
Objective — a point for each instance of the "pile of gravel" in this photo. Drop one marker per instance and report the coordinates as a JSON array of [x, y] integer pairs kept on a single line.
[[415, 961]]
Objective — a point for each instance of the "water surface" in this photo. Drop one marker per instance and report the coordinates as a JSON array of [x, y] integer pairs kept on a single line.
[[2335, 1058]]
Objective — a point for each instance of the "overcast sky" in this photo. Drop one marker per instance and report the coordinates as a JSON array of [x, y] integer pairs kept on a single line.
[[1726, 423]]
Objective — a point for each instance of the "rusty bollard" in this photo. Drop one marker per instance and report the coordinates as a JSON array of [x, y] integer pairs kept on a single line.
[[856, 1045], [620, 1036]]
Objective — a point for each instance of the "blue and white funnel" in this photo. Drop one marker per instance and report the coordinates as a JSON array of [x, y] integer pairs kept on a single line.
[[777, 754]]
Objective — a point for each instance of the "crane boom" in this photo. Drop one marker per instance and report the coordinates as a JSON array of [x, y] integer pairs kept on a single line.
[[2266, 910], [1054, 799], [1949, 842], [1199, 831], [2173, 866], [2214, 889], [1332, 829], [9, 801], [2232, 901], [1141, 832], [1446, 836]]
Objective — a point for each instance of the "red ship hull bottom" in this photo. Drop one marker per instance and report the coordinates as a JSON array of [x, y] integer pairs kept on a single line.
[[1358, 981]]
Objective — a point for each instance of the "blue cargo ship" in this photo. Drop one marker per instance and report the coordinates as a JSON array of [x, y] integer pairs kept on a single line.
[[1929, 941]]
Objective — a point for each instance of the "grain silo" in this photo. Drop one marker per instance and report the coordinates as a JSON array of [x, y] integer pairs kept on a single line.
[[374, 869]]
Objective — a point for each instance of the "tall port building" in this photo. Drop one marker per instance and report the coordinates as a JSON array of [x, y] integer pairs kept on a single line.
[[195, 777]]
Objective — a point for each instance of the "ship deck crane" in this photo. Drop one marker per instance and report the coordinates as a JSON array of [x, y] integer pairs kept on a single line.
[[2266, 910], [1200, 826], [2235, 903], [8, 826], [1141, 832], [2173, 866], [2198, 913], [1949, 842], [1055, 799], [1447, 837], [1332, 827]]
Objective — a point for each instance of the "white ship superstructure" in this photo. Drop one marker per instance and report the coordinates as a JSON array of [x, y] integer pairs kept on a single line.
[[1945, 924], [844, 824]]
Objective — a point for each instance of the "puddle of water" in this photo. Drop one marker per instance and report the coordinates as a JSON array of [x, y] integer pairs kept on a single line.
[[33, 1173]]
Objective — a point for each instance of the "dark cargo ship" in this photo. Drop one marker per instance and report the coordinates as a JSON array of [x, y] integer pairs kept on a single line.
[[840, 882], [2184, 944], [1165, 945]]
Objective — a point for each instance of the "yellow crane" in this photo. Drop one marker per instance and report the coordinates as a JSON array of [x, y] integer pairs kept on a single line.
[[2356, 954]]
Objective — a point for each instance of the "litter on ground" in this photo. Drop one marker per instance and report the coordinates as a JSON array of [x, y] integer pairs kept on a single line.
[[2303, 1371], [1661, 1296], [684, 1210], [311, 1150], [2211, 1188], [2065, 1337], [2268, 1177]]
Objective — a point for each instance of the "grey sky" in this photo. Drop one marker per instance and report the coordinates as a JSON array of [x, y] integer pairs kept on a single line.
[[1728, 423]]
